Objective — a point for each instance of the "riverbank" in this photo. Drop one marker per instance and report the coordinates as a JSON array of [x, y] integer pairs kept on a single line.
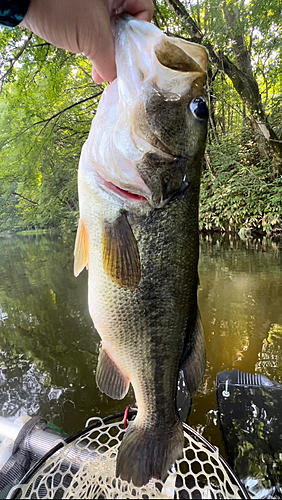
[[242, 233], [34, 232]]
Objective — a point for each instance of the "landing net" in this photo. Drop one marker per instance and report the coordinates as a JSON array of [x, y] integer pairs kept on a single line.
[[85, 468]]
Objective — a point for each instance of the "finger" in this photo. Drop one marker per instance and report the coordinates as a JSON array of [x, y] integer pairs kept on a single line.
[[102, 51], [96, 77], [144, 16]]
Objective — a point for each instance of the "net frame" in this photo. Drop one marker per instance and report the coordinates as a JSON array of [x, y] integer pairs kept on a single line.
[[84, 467]]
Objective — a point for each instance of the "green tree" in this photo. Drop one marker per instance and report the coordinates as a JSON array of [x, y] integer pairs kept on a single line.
[[48, 99], [47, 102], [233, 32]]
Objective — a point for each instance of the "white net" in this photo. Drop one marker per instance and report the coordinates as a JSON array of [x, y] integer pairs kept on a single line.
[[85, 468]]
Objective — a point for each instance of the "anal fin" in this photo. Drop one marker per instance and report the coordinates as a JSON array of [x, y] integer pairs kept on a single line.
[[109, 378]]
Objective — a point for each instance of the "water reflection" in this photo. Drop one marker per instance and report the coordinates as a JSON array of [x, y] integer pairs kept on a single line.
[[49, 348], [240, 298], [252, 429], [46, 335]]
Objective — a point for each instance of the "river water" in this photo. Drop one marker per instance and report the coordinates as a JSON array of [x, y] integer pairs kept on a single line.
[[49, 348]]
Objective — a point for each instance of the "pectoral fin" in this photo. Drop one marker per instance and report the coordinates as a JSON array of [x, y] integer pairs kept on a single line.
[[194, 360], [121, 259], [81, 248], [109, 378]]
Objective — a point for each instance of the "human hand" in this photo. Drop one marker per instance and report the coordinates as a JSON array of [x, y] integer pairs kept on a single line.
[[84, 26]]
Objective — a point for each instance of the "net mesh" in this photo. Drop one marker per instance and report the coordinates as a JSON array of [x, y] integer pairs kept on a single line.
[[85, 468]]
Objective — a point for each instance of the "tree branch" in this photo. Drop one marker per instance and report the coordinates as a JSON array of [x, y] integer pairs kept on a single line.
[[56, 115], [70, 107], [194, 31], [41, 44], [27, 199], [14, 60], [46, 121]]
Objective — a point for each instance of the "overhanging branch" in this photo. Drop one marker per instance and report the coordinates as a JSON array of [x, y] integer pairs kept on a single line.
[[14, 60], [46, 121], [194, 31]]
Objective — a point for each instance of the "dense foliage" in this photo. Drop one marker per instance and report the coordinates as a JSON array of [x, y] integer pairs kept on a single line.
[[46, 107], [48, 100], [239, 191]]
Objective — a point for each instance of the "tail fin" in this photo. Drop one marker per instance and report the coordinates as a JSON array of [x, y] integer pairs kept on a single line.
[[148, 453]]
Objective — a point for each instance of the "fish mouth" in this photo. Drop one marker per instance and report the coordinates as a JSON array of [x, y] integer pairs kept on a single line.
[[129, 197], [120, 193]]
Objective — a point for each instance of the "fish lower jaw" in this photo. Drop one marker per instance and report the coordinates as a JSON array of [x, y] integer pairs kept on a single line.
[[124, 195]]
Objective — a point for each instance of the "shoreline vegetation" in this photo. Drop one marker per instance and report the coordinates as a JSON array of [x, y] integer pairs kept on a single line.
[[48, 100]]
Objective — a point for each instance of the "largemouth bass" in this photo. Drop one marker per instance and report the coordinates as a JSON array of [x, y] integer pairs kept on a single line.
[[139, 180]]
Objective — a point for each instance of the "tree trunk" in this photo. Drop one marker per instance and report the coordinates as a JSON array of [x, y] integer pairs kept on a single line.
[[250, 94], [213, 124]]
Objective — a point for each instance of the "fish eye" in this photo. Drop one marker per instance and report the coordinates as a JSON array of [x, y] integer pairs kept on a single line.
[[199, 108]]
